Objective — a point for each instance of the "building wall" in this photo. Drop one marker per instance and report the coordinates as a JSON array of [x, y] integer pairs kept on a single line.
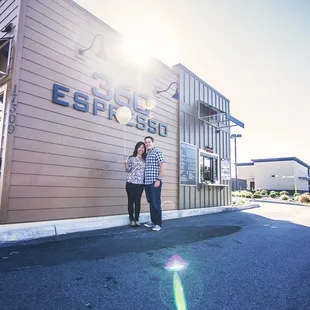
[[9, 13], [283, 170], [67, 163], [301, 171], [195, 131], [246, 173]]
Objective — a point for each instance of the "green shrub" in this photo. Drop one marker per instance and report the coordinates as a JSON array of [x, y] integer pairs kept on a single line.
[[246, 194], [283, 193], [236, 194], [272, 192], [285, 197], [296, 198], [263, 192], [257, 195], [296, 194], [273, 195], [304, 198], [277, 193]]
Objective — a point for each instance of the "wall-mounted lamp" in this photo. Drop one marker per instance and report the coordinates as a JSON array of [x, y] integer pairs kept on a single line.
[[7, 28], [176, 95], [101, 53]]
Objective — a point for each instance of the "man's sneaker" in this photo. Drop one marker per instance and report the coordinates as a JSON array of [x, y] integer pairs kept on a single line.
[[156, 228], [137, 223], [149, 225]]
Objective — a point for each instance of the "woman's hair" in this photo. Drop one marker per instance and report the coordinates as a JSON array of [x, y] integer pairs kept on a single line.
[[135, 152]]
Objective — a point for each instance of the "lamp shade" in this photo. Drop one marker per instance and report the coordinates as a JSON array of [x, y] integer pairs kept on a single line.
[[176, 95]]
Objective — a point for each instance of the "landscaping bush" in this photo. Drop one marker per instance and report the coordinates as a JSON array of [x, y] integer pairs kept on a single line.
[[296, 194], [296, 198], [273, 195], [236, 194], [263, 192], [283, 193], [277, 193], [272, 192], [257, 195], [246, 194], [284, 197], [243, 194], [304, 198]]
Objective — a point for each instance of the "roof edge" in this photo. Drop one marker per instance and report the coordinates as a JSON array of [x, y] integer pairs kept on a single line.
[[281, 159]]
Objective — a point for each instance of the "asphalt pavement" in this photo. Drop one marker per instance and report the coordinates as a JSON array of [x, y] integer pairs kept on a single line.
[[253, 259]]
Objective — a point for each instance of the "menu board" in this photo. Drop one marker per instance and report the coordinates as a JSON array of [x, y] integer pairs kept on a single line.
[[225, 169], [188, 164]]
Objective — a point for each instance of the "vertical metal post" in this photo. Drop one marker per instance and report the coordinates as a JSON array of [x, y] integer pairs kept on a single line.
[[236, 173], [235, 136]]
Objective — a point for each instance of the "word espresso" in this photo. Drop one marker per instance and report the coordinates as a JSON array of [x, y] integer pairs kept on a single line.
[[103, 95]]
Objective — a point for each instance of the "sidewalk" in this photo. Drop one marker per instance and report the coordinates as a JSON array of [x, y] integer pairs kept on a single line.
[[14, 233]]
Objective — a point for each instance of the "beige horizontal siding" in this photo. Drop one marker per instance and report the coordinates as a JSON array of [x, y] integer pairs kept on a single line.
[[67, 213], [64, 140], [44, 169], [72, 192], [60, 181], [67, 203], [39, 147], [67, 163], [70, 161]]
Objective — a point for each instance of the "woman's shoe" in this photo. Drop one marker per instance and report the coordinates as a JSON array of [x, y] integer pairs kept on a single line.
[[132, 223], [137, 223]]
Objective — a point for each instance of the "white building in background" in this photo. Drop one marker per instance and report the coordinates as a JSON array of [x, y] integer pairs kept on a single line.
[[276, 174]]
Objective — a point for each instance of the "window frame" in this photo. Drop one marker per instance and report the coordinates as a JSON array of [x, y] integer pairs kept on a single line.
[[213, 157]]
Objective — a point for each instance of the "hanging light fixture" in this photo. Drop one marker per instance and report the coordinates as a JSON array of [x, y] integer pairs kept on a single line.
[[101, 52], [176, 95]]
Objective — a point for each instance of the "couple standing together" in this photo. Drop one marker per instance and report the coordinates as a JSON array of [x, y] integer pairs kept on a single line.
[[145, 169]]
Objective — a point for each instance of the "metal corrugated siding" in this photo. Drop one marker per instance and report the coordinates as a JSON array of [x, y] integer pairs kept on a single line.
[[194, 131]]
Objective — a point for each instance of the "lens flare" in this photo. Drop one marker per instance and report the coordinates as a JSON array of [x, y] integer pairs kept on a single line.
[[177, 263], [182, 287], [167, 205], [178, 292], [135, 52]]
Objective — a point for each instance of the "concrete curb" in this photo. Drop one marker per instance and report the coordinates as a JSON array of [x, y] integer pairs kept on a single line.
[[10, 233], [280, 202]]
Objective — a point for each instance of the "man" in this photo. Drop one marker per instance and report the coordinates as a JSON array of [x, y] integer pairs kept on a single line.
[[154, 173]]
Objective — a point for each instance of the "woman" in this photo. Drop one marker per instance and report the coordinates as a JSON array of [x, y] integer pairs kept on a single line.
[[134, 166]]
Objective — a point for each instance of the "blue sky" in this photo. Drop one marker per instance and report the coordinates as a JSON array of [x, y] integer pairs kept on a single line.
[[255, 52]]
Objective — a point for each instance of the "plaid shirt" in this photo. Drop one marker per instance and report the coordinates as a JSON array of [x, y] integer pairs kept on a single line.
[[153, 158]]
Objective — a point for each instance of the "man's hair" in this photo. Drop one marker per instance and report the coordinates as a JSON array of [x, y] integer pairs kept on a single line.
[[149, 137]]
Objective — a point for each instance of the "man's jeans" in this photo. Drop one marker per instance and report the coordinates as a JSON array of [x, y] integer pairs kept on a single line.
[[153, 197]]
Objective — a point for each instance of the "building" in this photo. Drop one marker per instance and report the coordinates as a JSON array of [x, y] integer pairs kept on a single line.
[[277, 174], [64, 74]]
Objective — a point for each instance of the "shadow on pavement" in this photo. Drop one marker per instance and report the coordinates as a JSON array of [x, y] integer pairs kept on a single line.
[[116, 241]]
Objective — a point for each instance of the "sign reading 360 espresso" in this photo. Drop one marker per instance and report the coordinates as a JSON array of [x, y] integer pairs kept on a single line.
[[101, 102]]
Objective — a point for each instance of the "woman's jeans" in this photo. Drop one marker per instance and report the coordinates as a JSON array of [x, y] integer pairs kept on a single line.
[[134, 193]]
